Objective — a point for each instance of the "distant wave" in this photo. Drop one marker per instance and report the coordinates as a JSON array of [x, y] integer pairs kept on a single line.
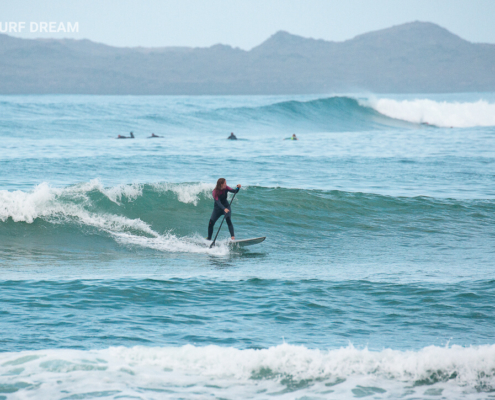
[[338, 113], [225, 372], [348, 113], [328, 114], [442, 114]]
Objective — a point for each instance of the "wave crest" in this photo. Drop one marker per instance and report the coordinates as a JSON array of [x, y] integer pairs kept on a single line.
[[442, 114]]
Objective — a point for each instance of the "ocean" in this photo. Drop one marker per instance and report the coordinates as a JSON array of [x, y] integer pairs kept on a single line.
[[376, 278]]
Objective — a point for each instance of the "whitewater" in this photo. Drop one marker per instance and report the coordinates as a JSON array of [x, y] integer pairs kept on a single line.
[[282, 371], [375, 281]]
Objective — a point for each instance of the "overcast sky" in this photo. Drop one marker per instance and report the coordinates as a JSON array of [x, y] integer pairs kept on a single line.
[[244, 24]]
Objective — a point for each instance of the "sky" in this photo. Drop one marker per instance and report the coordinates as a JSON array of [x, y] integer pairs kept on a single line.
[[244, 24]]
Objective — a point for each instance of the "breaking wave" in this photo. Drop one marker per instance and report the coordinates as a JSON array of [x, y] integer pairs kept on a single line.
[[173, 217], [286, 371], [103, 211], [442, 114]]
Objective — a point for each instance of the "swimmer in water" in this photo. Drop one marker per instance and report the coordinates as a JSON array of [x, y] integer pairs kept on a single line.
[[153, 136], [126, 137], [232, 136]]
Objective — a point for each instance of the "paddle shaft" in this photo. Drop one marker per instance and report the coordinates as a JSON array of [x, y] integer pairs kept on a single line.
[[214, 240]]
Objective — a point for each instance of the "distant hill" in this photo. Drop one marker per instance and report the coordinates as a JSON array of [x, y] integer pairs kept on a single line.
[[413, 57]]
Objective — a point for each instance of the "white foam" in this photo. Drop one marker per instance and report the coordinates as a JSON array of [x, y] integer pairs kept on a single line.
[[171, 243], [45, 202], [70, 204], [186, 193], [115, 194], [442, 114], [22, 206], [286, 370]]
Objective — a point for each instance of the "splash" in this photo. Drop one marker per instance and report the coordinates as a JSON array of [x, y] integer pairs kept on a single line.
[[188, 193]]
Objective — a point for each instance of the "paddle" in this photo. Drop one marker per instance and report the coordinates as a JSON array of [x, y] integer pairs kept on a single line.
[[214, 240]]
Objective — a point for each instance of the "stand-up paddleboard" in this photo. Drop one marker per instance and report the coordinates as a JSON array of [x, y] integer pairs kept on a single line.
[[247, 242]]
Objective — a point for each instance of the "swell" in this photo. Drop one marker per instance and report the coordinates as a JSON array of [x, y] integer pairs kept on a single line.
[[330, 114], [348, 113], [174, 216], [98, 117]]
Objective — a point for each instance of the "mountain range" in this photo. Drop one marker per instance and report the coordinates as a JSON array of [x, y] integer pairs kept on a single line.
[[417, 57]]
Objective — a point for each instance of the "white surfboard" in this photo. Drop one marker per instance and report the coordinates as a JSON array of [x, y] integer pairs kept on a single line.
[[247, 242]]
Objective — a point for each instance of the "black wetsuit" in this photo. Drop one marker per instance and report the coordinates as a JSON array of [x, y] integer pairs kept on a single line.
[[221, 204]]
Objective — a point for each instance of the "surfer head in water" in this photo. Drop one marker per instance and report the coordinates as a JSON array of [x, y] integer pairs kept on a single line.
[[232, 136], [294, 137], [221, 206]]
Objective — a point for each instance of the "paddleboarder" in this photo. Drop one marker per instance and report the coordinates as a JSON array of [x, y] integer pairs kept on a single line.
[[221, 206]]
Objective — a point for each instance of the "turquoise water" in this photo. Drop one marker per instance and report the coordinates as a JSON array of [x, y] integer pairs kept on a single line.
[[376, 278]]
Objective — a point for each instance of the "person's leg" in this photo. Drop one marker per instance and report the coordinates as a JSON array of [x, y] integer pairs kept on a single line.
[[231, 227], [211, 224], [214, 217]]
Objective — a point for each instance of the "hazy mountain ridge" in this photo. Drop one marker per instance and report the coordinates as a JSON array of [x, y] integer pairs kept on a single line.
[[414, 57]]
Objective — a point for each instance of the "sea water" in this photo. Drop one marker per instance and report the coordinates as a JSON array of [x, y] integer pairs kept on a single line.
[[376, 278]]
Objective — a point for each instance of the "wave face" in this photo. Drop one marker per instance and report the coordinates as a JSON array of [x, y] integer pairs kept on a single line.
[[443, 114], [284, 371], [89, 212], [341, 113], [330, 114]]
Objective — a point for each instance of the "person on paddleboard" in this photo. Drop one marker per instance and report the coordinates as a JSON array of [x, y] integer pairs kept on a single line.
[[221, 206]]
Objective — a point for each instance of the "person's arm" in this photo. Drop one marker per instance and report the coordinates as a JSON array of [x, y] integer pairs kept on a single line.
[[234, 190]]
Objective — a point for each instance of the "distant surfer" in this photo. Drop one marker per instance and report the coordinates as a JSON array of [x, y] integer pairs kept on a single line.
[[221, 206], [232, 136], [153, 136], [293, 137], [126, 137]]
